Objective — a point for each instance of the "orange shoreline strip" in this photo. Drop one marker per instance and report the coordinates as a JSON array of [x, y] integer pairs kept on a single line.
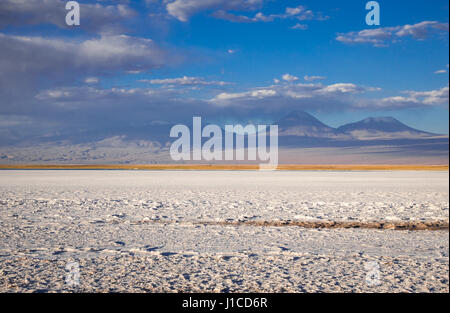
[[288, 167]]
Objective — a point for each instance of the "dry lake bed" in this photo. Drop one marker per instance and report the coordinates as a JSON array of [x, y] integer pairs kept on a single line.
[[224, 231]]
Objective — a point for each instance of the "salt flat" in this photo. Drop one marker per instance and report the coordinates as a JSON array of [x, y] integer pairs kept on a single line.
[[162, 231]]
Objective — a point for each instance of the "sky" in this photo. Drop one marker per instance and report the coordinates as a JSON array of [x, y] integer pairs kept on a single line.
[[132, 63]]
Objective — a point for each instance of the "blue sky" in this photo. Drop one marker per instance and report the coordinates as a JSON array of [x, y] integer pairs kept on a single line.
[[137, 62]]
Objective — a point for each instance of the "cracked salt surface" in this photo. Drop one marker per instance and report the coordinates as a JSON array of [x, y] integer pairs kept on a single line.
[[111, 220]]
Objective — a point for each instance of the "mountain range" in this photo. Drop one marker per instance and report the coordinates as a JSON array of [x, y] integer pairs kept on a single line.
[[302, 138], [297, 129], [300, 128]]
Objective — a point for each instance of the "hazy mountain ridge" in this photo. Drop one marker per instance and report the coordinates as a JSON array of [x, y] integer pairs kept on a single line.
[[303, 124], [301, 129], [300, 123], [374, 137]]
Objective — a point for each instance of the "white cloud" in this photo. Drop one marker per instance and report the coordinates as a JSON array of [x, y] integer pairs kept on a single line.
[[289, 78], [380, 37], [88, 93], [184, 9], [91, 80], [185, 80], [108, 52], [300, 13], [300, 26], [342, 88], [253, 94], [398, 102], [418, 98], [313, 78], [431, 97], [422, 29], [337, 96], [63, 61], [440, 72], [95, 17], [290, 95]]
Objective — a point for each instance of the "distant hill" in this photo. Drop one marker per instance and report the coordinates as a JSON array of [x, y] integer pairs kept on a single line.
[[301, 129], [382, 128], [303, 124]]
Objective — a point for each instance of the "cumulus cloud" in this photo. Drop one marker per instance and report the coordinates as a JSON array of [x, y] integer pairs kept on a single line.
[[184, 9], [300, 26], [86, 95], [341, 88], [431, 97], [225, 10], [24, 60], [317, 96], [442, 71], [106, 53], [418, 98], [381, 37], [185, 80], [91, 80], [421, 30], [293, 96], [253, 94], [289, 78], [398, 102], [300, 13], [313, 77], [95, 17]]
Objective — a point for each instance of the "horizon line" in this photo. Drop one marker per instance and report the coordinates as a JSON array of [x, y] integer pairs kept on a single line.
[[230, 167]]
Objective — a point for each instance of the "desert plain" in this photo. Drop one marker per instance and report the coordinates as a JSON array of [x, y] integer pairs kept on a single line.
[[327, 230]]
